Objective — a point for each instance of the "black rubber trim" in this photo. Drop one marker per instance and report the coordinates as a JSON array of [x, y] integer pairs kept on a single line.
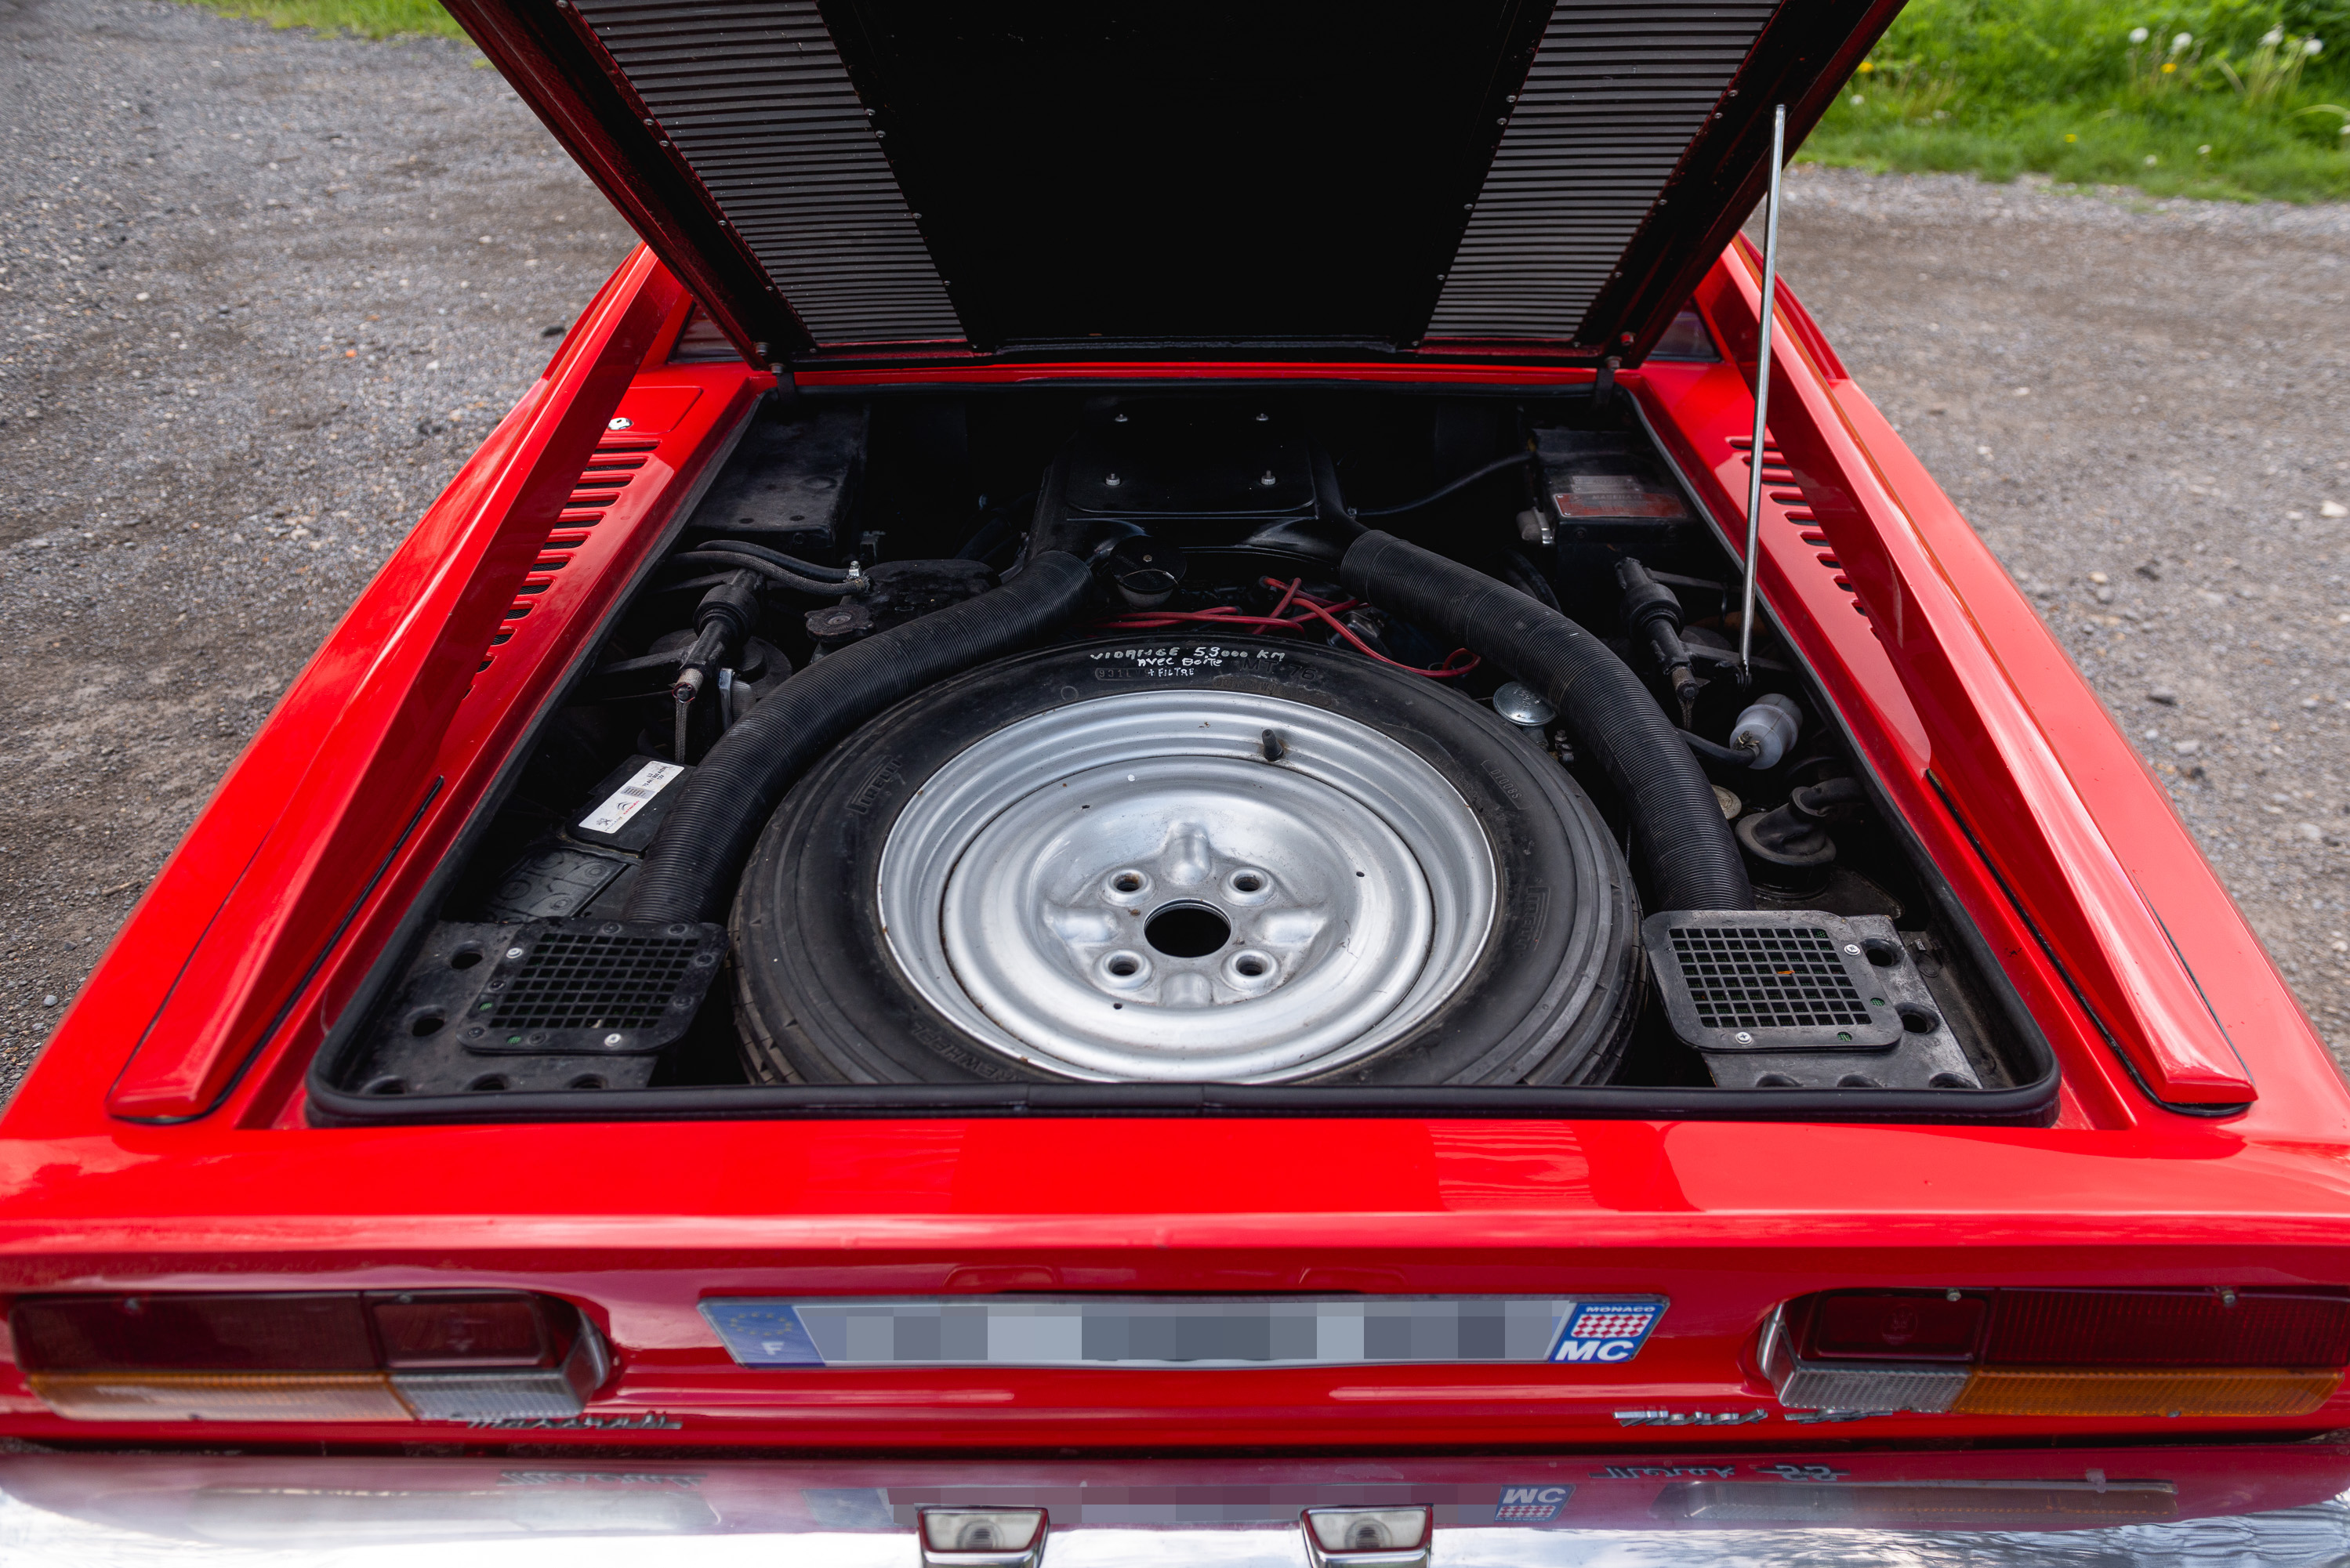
[[2024, 1107]]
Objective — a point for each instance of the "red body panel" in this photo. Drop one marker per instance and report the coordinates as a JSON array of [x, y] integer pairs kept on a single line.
[[161, 1141]]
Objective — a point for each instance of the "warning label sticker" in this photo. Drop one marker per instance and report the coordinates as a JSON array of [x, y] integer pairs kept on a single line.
[[631, 798]]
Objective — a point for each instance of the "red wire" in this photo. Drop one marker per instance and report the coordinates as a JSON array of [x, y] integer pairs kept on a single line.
[[1312, 609], [1287, 593]]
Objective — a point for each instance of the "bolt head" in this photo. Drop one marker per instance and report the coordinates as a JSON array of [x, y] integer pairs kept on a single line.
[[514, 952], [611, 1039], [1743, 1038], [1852, 947]]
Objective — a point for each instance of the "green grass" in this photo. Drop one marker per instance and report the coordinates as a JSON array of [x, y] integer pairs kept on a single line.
[[1994, 88], [368, 19], [2003, 88]]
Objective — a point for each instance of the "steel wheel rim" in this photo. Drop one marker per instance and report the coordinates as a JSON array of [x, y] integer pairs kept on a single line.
[[1024, 891]]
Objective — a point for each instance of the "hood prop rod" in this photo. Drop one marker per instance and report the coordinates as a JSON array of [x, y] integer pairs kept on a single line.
[[1762, 392]]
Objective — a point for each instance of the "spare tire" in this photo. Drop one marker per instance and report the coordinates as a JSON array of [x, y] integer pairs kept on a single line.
[[1176, 860]]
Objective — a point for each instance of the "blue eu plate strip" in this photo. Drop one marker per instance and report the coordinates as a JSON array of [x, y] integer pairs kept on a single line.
[[1195, 1332]]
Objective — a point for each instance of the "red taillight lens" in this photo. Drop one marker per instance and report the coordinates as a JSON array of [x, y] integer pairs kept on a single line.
[[2062, 1352], [209, 1334], [466, 1331], [308, 1356], [1897, 1326], [2168, 1328]]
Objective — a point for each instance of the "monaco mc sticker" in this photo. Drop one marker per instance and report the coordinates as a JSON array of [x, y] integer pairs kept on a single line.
[[1608, 1332], [1531, 1505]]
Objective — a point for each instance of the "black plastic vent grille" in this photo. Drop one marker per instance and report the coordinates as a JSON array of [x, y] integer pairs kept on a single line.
[[588, 980], [1616, 96], [1766, 980], [1746, 978], [752, 96]]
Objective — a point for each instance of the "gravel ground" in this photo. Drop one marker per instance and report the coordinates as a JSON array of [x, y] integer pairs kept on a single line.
[[260, 294], [261, 291]]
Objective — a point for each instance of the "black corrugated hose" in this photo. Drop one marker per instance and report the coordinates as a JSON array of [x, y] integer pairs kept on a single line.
[[694, 861], [1685, 852]]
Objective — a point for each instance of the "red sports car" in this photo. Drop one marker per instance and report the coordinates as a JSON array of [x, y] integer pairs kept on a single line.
[[1141, 750]]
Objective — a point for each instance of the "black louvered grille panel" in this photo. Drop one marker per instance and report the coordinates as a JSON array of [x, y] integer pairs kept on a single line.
[[753, 94], [1616, 94]]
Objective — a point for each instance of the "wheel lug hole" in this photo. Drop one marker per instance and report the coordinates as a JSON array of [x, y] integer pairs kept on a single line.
[[1124, 970], [1126, 883], [1249, 885], [1251, 970]]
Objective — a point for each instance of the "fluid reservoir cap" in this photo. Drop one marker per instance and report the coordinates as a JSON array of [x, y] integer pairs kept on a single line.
[[1146, 570], [1523, 706], [1768, 728]]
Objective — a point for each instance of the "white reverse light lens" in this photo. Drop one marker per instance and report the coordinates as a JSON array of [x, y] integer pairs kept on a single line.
[[981, 1534], [1367, 1535]]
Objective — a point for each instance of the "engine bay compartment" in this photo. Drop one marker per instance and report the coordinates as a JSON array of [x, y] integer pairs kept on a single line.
[[1031, 747]]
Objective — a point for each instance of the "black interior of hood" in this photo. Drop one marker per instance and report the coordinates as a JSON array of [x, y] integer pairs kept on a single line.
[[1207, 172]]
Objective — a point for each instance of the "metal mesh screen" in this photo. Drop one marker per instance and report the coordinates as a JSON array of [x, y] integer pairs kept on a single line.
[[588, 980], [1762, 977]]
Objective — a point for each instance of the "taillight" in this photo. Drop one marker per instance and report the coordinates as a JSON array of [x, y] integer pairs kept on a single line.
[[308, 1356], [2061, 1351]]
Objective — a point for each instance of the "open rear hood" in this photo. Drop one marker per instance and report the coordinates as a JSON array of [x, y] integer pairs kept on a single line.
[[918, 180]]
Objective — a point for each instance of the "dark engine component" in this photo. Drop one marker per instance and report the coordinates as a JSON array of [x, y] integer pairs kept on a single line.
[[1192, 472], [546, 1004], [794, 479], [1683, 847], [1652, 612], [896, 592], [1801, 999], [690, 872], [1790, 847], [1144, 571], [1178, 860]]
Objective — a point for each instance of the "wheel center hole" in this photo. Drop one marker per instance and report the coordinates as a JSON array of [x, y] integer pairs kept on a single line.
[[1187, 930]]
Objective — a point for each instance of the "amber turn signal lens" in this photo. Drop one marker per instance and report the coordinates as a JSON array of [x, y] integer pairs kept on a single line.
[[2123, 1352], [2152, 1391]]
